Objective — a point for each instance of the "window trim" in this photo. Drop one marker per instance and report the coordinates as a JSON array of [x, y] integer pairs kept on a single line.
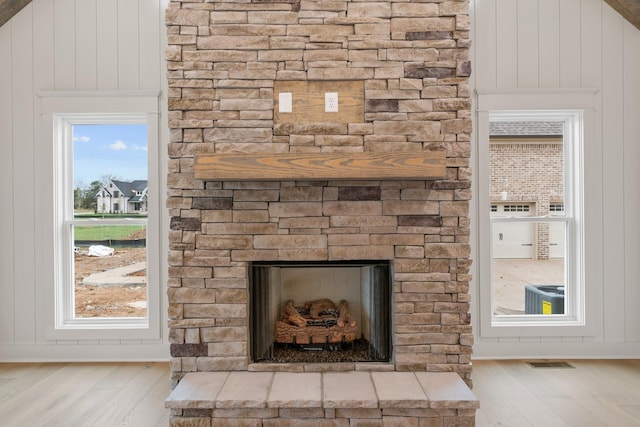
[[581, 320], [60, 111]]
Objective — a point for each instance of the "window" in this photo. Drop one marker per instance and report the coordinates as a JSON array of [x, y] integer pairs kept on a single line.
[[531, 156], [106, 261], [556, 207], [109, 265], [531, 228]]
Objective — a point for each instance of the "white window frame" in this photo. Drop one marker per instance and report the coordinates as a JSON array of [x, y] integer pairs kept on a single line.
[[576, 108], [60, 111]]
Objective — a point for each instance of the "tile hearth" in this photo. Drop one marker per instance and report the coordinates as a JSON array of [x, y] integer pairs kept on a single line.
[[322, 398]]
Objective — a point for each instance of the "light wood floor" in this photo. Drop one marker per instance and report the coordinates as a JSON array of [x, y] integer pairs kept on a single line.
[[594, 393], [84, 394], [511, 393]]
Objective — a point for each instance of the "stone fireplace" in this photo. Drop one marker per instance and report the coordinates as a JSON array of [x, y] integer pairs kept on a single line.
[[318, 134]]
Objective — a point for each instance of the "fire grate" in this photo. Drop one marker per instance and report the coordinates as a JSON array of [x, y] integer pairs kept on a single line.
[[551, 364]]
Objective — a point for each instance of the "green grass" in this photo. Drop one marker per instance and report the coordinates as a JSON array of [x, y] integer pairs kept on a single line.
[[105, 232]]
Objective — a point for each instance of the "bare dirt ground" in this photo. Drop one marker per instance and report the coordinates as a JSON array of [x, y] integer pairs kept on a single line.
[[109, 301], [511, 276]]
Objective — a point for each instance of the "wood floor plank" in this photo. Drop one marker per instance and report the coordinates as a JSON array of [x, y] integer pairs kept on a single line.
[[572, 412], [530, 378], [146, 412], [21, 377], [527, 404], [122, 404], [83, 394], [493, 405], [121, 375], [595, 393], [588, 392], [617, 380], [55, 394], [82, 409], [93, 401], [634, 411]]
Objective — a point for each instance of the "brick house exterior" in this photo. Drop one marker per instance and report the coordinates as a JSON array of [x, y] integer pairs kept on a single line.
[[526, 168]]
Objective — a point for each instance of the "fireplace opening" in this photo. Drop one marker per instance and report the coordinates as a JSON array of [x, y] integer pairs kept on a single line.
[[320, 312]]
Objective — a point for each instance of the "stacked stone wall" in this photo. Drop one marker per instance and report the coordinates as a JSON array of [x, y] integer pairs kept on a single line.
[[223, 59]]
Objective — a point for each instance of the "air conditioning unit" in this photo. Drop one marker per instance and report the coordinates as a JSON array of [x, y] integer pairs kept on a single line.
[[544, 299]]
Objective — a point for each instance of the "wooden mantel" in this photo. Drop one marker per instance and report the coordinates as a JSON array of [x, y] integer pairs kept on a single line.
[[320, 166]]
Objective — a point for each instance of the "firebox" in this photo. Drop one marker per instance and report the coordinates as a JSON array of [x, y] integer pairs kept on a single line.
[[324, 312]]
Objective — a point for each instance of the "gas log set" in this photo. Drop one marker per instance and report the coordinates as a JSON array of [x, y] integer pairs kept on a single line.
[[316, 322]]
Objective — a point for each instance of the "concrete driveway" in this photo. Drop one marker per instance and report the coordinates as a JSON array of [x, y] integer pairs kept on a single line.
[[511, 276], [118, 276]]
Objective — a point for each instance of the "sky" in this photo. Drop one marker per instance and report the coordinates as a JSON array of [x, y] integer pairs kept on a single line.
[[115, 150]]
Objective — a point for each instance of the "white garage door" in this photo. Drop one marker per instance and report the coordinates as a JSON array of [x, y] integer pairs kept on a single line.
[[512, 239], [556, 232]]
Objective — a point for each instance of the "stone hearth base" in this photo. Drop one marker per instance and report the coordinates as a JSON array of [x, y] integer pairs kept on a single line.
[[342, 399]]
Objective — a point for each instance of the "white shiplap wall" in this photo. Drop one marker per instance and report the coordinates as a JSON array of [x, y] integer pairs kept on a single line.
[[64, 45], [576, 44], [110, 45]]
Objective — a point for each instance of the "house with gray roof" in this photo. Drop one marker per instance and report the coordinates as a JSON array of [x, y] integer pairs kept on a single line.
[[122, 197]]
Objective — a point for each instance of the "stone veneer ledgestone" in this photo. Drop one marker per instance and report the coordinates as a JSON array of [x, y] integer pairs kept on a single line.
[[223, 58]]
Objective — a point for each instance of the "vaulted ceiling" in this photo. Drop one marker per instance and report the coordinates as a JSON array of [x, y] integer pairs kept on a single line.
[[8, 8], [630, 9]]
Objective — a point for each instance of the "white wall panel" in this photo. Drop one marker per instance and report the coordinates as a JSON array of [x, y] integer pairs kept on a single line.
[[23, 177], [128, 45], [578, 44], [7, 309], [64, 20], [613, 191], [484, 42], [43, 77], [150, 62], [570, 28], [86, 39], [107, 30], [549, 44], [506, 43], [527, 47], [62, 45], [590, 76], [591, 40], [631, 135], [43, 44]]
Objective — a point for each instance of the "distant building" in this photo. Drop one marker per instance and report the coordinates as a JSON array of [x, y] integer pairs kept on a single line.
[[526, 173], [122, 197]]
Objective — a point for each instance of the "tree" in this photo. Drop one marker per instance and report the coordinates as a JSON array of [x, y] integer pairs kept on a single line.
[[90, 194]]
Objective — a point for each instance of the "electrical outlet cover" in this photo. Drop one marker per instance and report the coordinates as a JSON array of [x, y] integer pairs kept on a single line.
[[331, 102], [285, 102]]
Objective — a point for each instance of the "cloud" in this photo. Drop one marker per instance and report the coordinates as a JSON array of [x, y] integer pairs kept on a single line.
[[81, 139], [139, 148], [118, 145]]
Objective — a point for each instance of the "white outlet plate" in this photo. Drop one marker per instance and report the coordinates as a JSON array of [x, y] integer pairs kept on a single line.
[[285, 102], [331, 102]]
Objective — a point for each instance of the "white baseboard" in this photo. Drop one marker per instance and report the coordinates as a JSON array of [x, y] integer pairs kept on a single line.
[[84, 353], [556, 350]]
